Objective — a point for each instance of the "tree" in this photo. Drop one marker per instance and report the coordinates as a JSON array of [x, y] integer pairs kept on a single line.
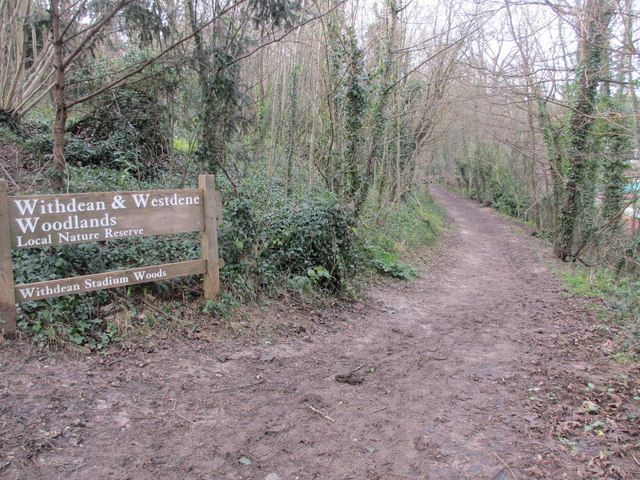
[[592, 40], [25, 57]]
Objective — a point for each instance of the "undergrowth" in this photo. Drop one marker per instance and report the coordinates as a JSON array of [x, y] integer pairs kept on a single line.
[[303, 244], [617, 300], [398, 231]]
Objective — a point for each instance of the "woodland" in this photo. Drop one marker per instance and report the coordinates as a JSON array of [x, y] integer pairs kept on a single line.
[[324, 122], [428, 248]]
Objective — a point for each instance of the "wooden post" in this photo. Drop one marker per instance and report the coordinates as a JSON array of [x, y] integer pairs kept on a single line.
[[7, 297], [210, 237]]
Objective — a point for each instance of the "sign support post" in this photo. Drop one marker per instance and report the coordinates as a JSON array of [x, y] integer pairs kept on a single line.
[[7, 296], [210, 236]]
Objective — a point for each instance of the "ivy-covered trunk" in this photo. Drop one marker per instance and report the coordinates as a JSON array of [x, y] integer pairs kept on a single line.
[[591, 47], [614, 169], [217, 90]]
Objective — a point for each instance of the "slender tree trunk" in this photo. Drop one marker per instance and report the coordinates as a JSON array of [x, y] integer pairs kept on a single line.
[[58, 98], [551, 136], [378, 115], [628, 56], [293, 113]]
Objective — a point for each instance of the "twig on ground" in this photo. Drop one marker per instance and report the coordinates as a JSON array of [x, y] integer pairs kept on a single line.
[[238, 387], [354, 370], [184, 418], [357, 368], [542, 445], [175, 410], [320, 413], [378, 410], [506, 466]]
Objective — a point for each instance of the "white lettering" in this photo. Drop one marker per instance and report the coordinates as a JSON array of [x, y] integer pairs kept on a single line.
[[33, 242], [28, 224], [105, 282], [66, 237], [48, 291], [140, 199], [143, 275], [27, 292], [26, 206], [110, 233]]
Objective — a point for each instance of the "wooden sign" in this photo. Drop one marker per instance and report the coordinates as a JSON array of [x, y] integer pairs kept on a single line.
[[45, 220]]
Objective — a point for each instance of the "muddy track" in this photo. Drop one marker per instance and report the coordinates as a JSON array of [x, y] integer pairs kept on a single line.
[[432, 382]]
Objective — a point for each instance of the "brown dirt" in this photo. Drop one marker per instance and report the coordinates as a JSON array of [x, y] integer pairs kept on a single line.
[[473, 371]]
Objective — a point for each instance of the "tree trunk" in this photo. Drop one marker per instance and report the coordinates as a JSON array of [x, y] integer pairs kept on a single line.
[[551, 136], [378, 115], [58, 99], [591, 47]]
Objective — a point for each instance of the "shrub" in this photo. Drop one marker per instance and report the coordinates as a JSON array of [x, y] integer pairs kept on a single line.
[[315, 239], [319, 233], [386, 263], [488, 177], [128, 131]]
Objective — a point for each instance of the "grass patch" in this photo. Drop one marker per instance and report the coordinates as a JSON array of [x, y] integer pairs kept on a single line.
[[618, 302], [387, 263], [399, 230]]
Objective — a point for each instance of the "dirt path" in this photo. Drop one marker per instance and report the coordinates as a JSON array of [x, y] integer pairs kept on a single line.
[[440, 369]]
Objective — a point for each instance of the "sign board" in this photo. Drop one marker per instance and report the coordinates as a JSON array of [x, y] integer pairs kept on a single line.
[[44, 220]]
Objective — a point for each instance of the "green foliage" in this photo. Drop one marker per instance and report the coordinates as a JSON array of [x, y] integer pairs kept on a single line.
[[127, 134], [386, 263], [129, 131], [618, 297], [318, 233], [304, 284], [275, 12], [344, 169], [223, 307], [37, 138], [80, 318], [411, 223], [356, 98], [487, 177], [220, 96], [414, 222], [9, 129], [613, 142], [145, 21], [80, 179], [314, 239], [182, 145], [585, 283]]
